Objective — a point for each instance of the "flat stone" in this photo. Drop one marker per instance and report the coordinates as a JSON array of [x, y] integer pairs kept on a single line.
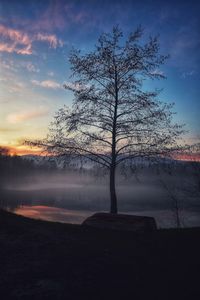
[[121, 222]]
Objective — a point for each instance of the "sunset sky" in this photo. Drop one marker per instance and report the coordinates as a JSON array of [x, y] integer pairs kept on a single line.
[[35, 40]]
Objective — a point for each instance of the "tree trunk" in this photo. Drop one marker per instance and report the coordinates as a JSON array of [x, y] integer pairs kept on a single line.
[[178, 222], [113, 197]]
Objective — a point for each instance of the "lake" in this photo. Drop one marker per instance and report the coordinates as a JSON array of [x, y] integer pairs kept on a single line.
[[73, 202]]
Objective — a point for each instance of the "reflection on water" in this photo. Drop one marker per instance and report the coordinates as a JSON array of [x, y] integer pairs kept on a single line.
[[164, 218], [54, 214]]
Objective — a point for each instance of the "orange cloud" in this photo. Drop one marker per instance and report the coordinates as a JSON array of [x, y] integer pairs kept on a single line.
[[23, 150]]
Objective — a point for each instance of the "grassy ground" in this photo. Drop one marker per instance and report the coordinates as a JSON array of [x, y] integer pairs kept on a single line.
[[44, 260]]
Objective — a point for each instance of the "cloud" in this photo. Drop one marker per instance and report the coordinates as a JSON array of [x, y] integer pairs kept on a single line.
[[7, 64], [22, 150], [6, 129], [15, 41], [14, 35], [158, 72], [187, 74], [31, 68], [47, 84], [75, 86], [51, 73], [19, 117], [15, 86], [53, 41], [10, 65], [59, 15], [13, 47], [21, 43]]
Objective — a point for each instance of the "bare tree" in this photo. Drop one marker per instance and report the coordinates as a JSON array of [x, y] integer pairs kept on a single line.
[[112, 118], [174, 199]]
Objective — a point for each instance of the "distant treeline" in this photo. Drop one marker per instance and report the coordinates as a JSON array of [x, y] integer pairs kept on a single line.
[[19, 168], [15, 168]]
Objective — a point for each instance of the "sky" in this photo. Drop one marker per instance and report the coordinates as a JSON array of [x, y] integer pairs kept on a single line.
[[37, 36]]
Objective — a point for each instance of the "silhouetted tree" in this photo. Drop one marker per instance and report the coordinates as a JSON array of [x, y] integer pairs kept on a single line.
[[4, 151], [112, 118]]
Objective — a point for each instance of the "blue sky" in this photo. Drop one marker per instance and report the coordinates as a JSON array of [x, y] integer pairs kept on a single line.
[[35, 40]]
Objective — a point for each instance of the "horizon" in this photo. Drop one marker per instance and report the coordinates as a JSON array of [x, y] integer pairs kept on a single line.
[[186, 157]]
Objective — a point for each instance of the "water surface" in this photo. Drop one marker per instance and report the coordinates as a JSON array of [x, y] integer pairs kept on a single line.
[[72, 199]]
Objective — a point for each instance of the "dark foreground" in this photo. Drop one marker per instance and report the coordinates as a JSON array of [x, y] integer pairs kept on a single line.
[[43, 260]]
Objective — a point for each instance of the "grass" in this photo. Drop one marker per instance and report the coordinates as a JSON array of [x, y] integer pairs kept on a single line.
[[45, 260]]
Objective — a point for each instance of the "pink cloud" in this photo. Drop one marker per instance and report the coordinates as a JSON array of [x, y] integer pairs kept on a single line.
[[6, 48], [15, 35], [15, 41], [21, 43], [13, 47], [27, 50]]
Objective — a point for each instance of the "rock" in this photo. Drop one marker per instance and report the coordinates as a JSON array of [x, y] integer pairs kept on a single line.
[[121, 222]]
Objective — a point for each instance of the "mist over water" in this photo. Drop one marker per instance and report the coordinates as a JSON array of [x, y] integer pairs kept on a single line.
[[72, 196]]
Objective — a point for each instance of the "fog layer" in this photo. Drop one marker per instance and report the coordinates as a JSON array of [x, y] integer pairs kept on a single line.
[[71, 196]]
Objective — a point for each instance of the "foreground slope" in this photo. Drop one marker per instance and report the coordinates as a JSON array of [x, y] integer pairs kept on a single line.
[[44, 260]]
